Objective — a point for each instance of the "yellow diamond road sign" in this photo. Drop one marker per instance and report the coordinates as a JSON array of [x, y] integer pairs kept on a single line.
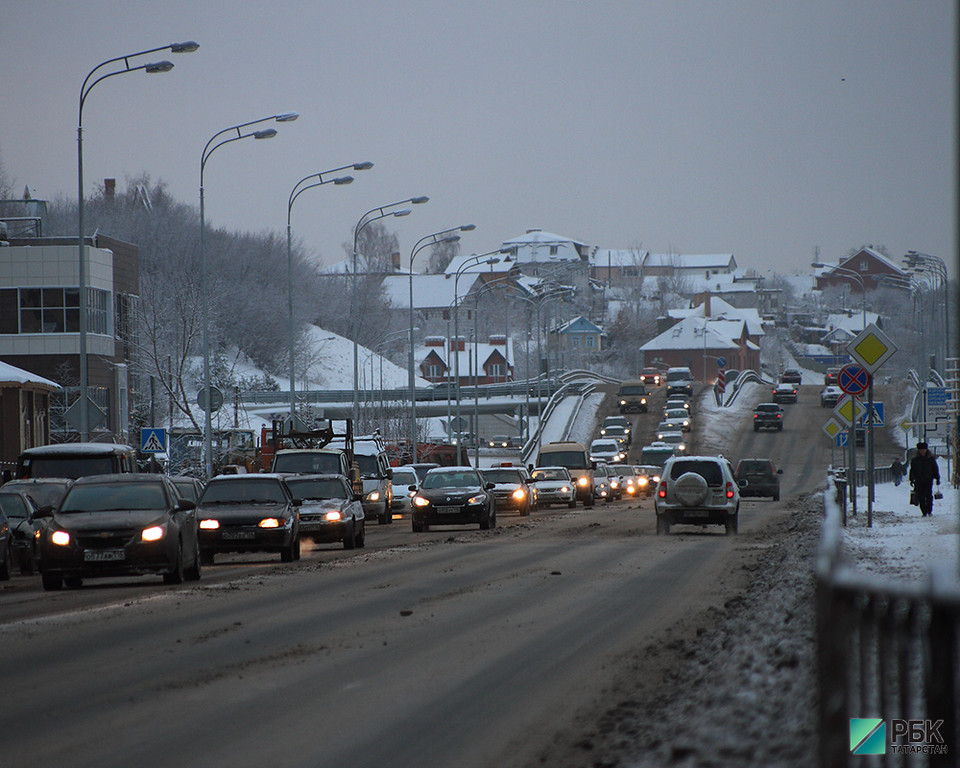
[[833, 428], [871, 348], [849, 409]]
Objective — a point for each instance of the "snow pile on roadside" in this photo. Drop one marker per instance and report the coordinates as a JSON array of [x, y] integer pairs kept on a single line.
[[719, 422]]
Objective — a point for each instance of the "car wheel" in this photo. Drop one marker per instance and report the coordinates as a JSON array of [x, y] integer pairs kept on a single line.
[[588, 502], [779, 427], [756, 427], [361, 539], [175, 575], [731, 525], [52, 582], [486, 521], [74, 582], [776, 496], [193, 572], [5, 567], [417, 526], [572, 503], [350, 537], [289, 554], [206, 556], [384, 517], [525, 509], [663, 527]]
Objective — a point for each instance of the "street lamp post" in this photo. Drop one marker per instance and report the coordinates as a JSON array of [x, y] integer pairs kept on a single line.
[[443, 236], [538, 304], [211, 146], [299, 188], [88, 84], [381, 212], [925, 263], [471, 261]]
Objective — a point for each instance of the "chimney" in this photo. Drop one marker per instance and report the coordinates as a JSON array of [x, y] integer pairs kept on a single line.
[[395, 260], [110, 188], [434, 341], [706, 303], [498, 340], [458, 343]]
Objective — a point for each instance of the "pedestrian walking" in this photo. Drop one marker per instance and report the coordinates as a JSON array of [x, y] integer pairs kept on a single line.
[[923, 471], [896, 469]]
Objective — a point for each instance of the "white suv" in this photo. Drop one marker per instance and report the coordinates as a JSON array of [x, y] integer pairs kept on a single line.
[[697, 490]]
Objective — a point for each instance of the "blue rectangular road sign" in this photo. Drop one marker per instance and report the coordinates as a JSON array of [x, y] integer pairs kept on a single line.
[[877, 414], [153, 440]]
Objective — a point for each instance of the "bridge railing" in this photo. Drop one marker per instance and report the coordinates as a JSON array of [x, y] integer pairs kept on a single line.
[[885, 650]]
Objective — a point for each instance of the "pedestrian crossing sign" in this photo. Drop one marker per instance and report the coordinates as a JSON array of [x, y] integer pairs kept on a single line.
[[153, 440]]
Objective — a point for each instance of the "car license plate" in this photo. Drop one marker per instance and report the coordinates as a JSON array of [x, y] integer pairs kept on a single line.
[[697, 513], [238, 535], [447, 510], [103, 555]]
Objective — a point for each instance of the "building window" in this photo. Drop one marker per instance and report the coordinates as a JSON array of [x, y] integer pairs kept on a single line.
[[575, 341], [554, 250], [497, 370], [52, 310], [590, 341], [433, 371], [864, 266]]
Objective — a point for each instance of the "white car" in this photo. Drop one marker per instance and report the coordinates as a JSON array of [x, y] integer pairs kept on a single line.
[[678, 416], [676, 440], [403, 478], [554, 486], [608, 450]]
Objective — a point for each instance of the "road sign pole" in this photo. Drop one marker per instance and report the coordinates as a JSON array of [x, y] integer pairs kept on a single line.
[[852, 439], [868, 446]]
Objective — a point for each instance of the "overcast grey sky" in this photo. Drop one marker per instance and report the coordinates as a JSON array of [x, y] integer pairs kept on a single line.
[[761, 129]]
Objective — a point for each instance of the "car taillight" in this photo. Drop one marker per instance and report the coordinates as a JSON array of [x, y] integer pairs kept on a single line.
[[730, 490], [662, 491]]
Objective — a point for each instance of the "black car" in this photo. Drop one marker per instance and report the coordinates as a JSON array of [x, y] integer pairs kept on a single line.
[[512, 488], [120, 525], [791, 376], [21, 514], [768, 416], [249, 513], [44, 491], [6, 547], [453, 496], [758, 477], [189, 488], [329, 509]]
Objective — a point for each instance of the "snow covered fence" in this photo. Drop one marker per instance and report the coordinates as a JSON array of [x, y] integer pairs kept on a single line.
[[886, 650]]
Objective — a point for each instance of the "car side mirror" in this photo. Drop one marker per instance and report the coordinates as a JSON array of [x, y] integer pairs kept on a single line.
[[44, 511], [489, 487], [412, 488], [389, 474], [779, 471], [358, 497], [185, 505], [297, 502], [742, 483]]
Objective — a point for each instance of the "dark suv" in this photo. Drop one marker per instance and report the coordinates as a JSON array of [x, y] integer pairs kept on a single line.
[[768, 416], [758, 477]]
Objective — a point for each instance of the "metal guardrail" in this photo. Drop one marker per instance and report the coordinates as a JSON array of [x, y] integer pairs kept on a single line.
[[736, 386], [885, 650]]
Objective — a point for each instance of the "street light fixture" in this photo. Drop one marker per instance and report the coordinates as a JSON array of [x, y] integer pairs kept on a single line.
[[848, 274], [925, 263], [443, 236], [298, 188], [150, 68], [209, 148], [369, 217]]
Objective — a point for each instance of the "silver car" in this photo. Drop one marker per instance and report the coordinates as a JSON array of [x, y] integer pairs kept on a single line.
[[697, 490]]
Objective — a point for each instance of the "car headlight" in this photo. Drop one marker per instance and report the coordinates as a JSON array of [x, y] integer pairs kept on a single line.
[[269, 522], [476, 500], [153, 533], [419, 501], [583, 482], [564, 489], [373, 496], [642, 482], [209, 524], [519, 494], [60, 538], [623, 402], [333, 516]]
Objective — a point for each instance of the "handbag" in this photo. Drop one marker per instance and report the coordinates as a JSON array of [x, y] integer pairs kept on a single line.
[[938, 495], [913, 498]]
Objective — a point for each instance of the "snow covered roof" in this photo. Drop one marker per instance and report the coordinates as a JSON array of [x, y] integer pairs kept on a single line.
[[852, 323], [691, 260], [457, 264], [721, 309], [875, 254], [484, 351], [537, 245], [10, 374], [429, 291], [688, 334]]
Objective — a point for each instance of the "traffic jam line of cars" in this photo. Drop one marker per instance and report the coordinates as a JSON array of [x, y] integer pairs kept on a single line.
[[115, 522]]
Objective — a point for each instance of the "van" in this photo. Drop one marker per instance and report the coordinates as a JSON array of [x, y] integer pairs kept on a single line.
[[632, 397], [370, 455], [679, 381], [574, 457], [74, 460]]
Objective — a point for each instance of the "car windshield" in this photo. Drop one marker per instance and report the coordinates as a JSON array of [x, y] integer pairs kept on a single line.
[[502, 475], [45, 494], [568, 459], [187, 489], [656, 456], [315, 489], [753, 466], [605, 446], [708, 470], [768, 408], [243, 492], [673, 376], [307, 463], [633, 390], [405, 478], [368, 465], [450, 480], [550, 474], [111, 498], [13, 506], [615, 429], [73, 467], [672, 438]]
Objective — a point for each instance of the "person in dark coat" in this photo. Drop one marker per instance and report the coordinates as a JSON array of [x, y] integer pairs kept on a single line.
[[896, 469], [923, 471]]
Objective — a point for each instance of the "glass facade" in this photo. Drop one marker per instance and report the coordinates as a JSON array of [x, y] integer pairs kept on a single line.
[[53, 310]]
